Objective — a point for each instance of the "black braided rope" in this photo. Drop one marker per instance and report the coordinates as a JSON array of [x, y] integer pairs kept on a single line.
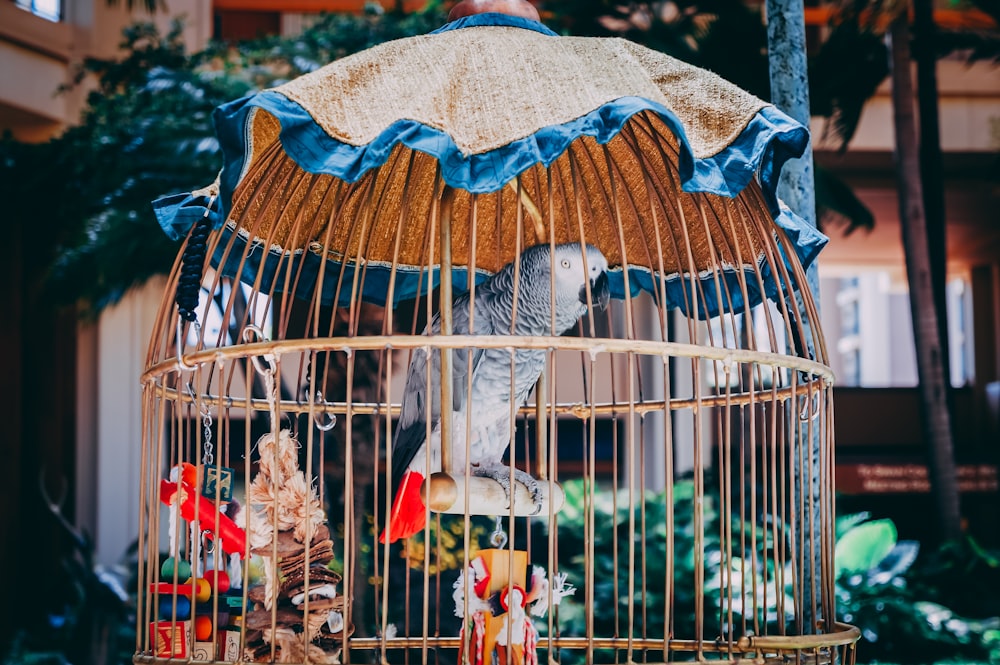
[[189, 282]]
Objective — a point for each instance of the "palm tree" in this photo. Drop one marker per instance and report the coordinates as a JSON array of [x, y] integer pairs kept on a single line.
[[858, 45], [923, 305]]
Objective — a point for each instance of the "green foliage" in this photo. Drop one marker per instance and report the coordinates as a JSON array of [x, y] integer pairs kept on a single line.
[[844, 74], [613, 591], [83, 199], [853, 60], [836, 203], [146, 131], [864, 546], [910, 607], [916, 609], [727, 37], [447, 538], [90, 615]]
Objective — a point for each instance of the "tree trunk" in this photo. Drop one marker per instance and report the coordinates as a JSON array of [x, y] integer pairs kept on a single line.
[[786, 47], [930, 367], [931, 167]]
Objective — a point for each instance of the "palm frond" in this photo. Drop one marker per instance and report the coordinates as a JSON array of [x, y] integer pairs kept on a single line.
[[844, 74], [836, 203]]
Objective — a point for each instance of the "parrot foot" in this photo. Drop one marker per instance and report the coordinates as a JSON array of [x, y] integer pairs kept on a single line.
[[501, 474], [533, 486]]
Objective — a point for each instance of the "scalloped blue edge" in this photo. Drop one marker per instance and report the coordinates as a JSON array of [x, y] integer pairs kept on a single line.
[[270, 265], [765, 144], [770, 139]]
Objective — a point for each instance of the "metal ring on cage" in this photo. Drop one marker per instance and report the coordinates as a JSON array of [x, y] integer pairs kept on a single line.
[[330, 418], [249, 333], [809, 406], [498, 538], [208, 541], [181, 364]]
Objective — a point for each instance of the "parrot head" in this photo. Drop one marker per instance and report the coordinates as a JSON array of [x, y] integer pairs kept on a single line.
[[575, 271], [578, 270]]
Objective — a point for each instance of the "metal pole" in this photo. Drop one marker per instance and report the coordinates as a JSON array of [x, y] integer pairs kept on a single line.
[[786, 43], [447, 203]]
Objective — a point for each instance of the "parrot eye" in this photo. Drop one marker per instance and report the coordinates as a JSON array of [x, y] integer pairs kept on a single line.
[[565, 263]]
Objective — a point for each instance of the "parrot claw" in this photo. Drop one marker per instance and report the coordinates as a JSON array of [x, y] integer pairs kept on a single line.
[[501, 474], [533, 486]]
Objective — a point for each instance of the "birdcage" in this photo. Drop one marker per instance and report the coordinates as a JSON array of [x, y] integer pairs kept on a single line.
[[475, 359]]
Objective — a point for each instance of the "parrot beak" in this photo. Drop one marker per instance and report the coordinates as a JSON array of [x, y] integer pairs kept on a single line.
[[599, 290]]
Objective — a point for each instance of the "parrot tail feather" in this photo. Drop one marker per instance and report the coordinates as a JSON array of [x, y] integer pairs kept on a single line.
[[408, 514]]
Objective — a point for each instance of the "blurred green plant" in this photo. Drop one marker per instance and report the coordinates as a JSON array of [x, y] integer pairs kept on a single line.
[[939, 606], [83, 198], [911, 607], [89, 614]]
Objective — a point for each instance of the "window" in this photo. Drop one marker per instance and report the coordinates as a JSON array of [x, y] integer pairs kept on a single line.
[[870, 333], [47, 9], [959, 329]]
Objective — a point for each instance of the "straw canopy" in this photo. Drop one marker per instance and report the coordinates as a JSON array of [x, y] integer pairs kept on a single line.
[[666, 167]]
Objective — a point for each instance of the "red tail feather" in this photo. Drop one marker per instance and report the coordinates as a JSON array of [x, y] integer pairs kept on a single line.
[[408, 514]]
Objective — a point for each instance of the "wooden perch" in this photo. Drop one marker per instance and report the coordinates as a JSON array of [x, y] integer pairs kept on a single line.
[[445, 493]]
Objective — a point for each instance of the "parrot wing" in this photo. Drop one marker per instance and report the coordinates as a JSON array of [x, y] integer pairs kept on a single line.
[[411, 428]]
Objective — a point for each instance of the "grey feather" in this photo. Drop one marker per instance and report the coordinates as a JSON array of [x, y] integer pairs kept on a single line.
[[570, 270]]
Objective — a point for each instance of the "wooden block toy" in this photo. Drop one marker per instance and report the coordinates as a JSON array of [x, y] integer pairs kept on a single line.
[[497, 562], [218, 479], [204, 651], [169, 638], [230, 645]]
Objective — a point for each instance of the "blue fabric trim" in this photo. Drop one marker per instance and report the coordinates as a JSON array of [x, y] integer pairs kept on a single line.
[[769, 139], [269, 265], [494, 19], [177, 213]]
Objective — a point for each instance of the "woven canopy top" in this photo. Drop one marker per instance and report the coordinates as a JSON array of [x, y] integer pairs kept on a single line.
[[488, 87], [668, 168]]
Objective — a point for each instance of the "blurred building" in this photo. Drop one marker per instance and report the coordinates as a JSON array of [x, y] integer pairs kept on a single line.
[[43, 41]]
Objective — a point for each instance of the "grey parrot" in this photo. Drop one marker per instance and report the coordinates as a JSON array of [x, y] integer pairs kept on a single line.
[[571, 269]]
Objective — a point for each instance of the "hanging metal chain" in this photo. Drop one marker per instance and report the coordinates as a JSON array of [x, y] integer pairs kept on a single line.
[[208, 458], [208, 455]]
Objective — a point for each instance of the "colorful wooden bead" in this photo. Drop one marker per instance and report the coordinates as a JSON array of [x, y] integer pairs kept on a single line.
[[202, 627], [170, 564], [202, 589], [218, 579], [166, 607]]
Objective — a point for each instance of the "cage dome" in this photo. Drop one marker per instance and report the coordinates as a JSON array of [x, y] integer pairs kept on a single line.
[[549, 313]]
